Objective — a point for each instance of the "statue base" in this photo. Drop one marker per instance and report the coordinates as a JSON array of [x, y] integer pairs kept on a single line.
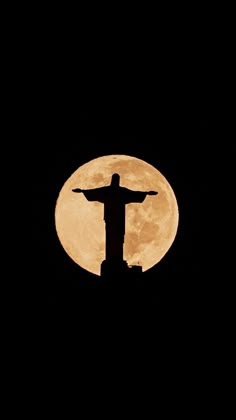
[[119, 271]]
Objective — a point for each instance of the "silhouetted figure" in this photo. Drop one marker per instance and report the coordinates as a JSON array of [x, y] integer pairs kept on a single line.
[[114, 197]]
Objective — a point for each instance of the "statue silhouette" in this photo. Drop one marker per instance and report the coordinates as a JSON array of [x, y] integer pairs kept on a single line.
[[114, 197]]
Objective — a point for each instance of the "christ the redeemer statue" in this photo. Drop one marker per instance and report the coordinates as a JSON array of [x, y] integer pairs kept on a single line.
[[114, 197]]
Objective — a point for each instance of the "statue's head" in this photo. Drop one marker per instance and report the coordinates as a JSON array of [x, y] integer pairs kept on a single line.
[[115, 180]]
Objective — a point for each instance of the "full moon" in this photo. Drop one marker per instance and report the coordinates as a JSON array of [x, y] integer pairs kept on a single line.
[[151, 226]]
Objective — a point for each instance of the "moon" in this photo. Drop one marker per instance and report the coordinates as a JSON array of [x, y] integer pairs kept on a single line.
[[151, 226]]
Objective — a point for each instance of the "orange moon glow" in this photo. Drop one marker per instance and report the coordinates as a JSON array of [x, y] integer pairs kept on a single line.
[[151, 226]]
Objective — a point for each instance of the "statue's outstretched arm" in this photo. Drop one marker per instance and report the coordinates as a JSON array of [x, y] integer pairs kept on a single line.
[[94, 194], [152, 193], [78, 190]]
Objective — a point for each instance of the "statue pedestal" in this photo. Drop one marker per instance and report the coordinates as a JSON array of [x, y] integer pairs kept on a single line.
[[119, 272]]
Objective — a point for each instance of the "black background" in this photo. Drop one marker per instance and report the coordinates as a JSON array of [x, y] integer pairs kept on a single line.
[[150, 84], [156, 97]]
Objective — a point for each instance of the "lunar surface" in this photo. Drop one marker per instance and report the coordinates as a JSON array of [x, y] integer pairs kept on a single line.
[[151, 226]]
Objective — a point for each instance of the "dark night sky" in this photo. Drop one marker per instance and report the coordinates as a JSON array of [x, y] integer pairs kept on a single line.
[[151, 85]]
